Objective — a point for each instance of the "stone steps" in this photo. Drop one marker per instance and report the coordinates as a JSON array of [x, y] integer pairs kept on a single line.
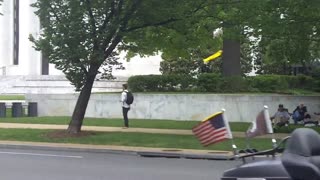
[[52, 84]]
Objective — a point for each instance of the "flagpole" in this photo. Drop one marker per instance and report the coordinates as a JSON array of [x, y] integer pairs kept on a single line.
[[269, 126], [226, 122]]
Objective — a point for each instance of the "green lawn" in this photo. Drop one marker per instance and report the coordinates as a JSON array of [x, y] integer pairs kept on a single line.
[[140, 123], [12, 97], [129, 139]]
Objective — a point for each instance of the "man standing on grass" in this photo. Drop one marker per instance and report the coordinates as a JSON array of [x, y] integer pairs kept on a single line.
[[125, 106]]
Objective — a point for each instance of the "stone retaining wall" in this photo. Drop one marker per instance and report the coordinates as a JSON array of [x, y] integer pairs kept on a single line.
[[239, 107]]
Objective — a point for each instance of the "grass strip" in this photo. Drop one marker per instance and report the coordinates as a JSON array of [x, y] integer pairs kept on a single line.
[[12, 97], [129, 139], [138, 123]]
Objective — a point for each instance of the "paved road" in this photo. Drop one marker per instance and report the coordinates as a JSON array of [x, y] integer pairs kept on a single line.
[[52, 165]]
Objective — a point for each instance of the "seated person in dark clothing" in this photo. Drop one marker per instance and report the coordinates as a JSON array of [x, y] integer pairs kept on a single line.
[[300, 113], [315, 119], [281, 117]]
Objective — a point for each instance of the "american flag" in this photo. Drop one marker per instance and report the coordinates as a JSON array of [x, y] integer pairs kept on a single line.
[[211, 130]]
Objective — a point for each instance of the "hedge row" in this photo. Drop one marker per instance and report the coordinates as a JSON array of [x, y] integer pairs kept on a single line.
[[161, 83], [219, 84]]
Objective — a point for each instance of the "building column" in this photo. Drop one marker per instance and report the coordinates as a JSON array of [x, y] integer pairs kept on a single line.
[[6, 33], [30, 59]]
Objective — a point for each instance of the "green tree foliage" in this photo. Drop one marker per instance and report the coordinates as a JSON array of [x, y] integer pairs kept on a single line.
[[192, 65], [1, 5], [229, 15], [80, 36], [275, 35], [288, 32]]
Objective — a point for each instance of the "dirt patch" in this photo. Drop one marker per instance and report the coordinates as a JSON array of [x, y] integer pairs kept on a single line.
[[64, 134]]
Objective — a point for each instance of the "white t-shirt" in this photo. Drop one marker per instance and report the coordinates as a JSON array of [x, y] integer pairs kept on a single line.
[[123, 99]]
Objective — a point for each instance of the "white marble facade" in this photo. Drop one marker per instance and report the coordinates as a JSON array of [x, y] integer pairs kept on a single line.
[[29, 60]]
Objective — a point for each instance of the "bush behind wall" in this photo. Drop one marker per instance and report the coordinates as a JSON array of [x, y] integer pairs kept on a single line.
[[215, 83]]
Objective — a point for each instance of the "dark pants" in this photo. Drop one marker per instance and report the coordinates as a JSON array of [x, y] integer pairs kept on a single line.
[[125, 116], [297, 117]]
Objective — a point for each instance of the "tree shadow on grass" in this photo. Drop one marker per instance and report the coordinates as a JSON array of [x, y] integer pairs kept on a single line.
[[60, 134]]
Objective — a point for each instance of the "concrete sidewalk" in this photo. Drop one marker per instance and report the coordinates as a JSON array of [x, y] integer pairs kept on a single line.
[[142, 151]]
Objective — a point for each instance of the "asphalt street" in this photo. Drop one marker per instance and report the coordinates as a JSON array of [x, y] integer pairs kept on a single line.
[[24, 164]]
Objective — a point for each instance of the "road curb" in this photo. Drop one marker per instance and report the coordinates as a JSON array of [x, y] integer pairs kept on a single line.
[[186, 156], [73, 149]]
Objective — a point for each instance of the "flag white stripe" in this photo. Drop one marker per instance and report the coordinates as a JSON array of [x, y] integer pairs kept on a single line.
[[226, 122]]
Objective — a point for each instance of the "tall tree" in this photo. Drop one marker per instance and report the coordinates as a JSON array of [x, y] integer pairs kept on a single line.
[[287, 31], [80, 36], [228, 15], [274, 34], [1, 5]]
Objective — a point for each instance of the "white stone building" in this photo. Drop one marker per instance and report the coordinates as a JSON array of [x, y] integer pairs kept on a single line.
[[19, 59]]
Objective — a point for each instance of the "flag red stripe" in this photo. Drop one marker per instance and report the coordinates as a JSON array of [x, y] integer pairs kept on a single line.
[[213, 137], [212, 133], [210, 130], [200, 126], [205, 131], [204, 128], [216, 136], [212, 140], [217, 140]]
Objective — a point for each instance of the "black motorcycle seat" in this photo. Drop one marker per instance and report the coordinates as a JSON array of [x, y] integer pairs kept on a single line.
[[268, 169], [301, 157]]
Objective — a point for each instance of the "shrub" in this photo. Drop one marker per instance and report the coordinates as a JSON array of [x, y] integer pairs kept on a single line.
[[234, 84], [305, 82], [161, 83], [269, 83], [209, 82]]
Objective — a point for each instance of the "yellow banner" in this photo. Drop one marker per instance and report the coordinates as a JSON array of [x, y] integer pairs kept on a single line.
[[213, 56]]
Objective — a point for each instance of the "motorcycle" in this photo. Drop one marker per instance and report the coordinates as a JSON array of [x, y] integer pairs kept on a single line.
[[299, 160]]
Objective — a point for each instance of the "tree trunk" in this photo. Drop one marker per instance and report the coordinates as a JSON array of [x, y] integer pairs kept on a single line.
[[231, 65], [82, 102], [231, 58]]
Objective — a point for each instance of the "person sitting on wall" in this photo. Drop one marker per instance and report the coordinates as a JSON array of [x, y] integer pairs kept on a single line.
[[300, 113], [281, 117]]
